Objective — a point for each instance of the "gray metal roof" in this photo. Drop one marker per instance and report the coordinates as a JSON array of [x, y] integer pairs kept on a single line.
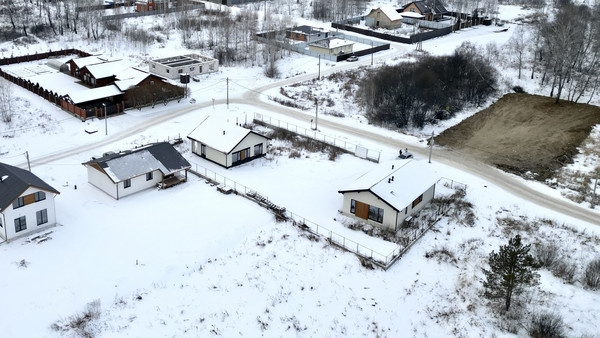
[[128, 164], [15, 181]]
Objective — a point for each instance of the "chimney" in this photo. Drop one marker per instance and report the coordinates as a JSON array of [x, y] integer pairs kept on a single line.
[[392, 167], [223, 132]]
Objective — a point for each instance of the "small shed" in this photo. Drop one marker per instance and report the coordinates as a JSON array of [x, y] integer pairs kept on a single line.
[[121, 174], [388, 195], [225, 143]]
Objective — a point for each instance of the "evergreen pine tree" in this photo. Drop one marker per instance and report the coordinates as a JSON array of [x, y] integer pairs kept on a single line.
[[511, 268]]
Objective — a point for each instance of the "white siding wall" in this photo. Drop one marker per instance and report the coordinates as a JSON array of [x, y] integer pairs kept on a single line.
[[138, 184], [101, 181], [199, 68], [249, 142], [29, 211], [225, 159], [117, 191], [389, 214], [391, 218]]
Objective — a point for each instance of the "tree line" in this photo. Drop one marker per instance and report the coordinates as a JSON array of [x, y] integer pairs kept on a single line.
[[434, 87]]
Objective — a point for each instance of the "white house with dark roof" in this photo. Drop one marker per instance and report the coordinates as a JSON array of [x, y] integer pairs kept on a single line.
[[226, 144], [26, 203], [391, 193], [124, 173]]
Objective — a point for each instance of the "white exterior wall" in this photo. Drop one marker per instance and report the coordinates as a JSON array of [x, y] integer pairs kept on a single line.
[[332, 51], [226, 159], [29, 211], [138, 184], [202, 67], [391, 219], [117, 191], [389, 214]]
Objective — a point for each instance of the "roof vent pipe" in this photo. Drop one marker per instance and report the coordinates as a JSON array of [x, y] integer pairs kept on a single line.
[[223, 132], [392, 178], [392, 167]]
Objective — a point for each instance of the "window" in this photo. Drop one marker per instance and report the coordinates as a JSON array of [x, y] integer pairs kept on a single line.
[[168, 70], [153, 66], [200, 69], [40, 196], [152, 82], [127, 183], [240, 155], [1, 223], [149, 176], [192, 69], [42, 216], [412, 10], [417, 201], [180, 71], [20, 224], [19, 202], [353, 206], [203, 149], [375, 214], [258, 149]]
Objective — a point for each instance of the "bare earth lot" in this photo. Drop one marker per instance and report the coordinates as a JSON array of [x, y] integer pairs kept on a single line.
[[524, 134]]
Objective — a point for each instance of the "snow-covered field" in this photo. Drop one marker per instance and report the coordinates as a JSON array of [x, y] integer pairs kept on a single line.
[[191, 262]]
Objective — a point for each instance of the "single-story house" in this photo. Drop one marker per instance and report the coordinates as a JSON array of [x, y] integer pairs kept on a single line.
[[430, 9], [150, 5], [306, 33], [226, 144], [332, 46], [390, 194], [124, 173], [192, 64], [26, 203], [384, 17]]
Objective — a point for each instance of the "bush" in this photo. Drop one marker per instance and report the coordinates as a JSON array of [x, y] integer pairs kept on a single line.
[[518, 89], [546, 325], [592, 274], [564, 270], [547, 254]]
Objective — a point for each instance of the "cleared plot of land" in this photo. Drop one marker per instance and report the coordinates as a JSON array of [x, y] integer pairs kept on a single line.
[[524, 134]]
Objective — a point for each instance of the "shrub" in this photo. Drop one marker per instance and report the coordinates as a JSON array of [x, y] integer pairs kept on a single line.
[[547, 254], [564, 270], [518, 89], [546, 325], [591, 276]]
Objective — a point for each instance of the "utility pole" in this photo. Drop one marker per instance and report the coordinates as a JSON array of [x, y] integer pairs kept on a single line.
[[372, 53], [227, 93], [430, 146], [319, 76], [316, 114], [28, 163]]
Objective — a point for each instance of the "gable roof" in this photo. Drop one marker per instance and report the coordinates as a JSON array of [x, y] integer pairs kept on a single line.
[[220, 134], [388, 11], [129, 164], [16, 181], [397, 183], [429, 6], [106, 69], [130, 77], [87, 95], [92, 60]]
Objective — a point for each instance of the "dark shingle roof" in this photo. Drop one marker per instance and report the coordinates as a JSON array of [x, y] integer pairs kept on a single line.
[[426, 6], [128, 164], [16, 181]]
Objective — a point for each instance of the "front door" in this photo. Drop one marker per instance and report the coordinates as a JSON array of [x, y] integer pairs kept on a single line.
[[362, 210]]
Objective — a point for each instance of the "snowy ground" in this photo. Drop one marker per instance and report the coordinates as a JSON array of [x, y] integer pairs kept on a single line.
[[191, 262]]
